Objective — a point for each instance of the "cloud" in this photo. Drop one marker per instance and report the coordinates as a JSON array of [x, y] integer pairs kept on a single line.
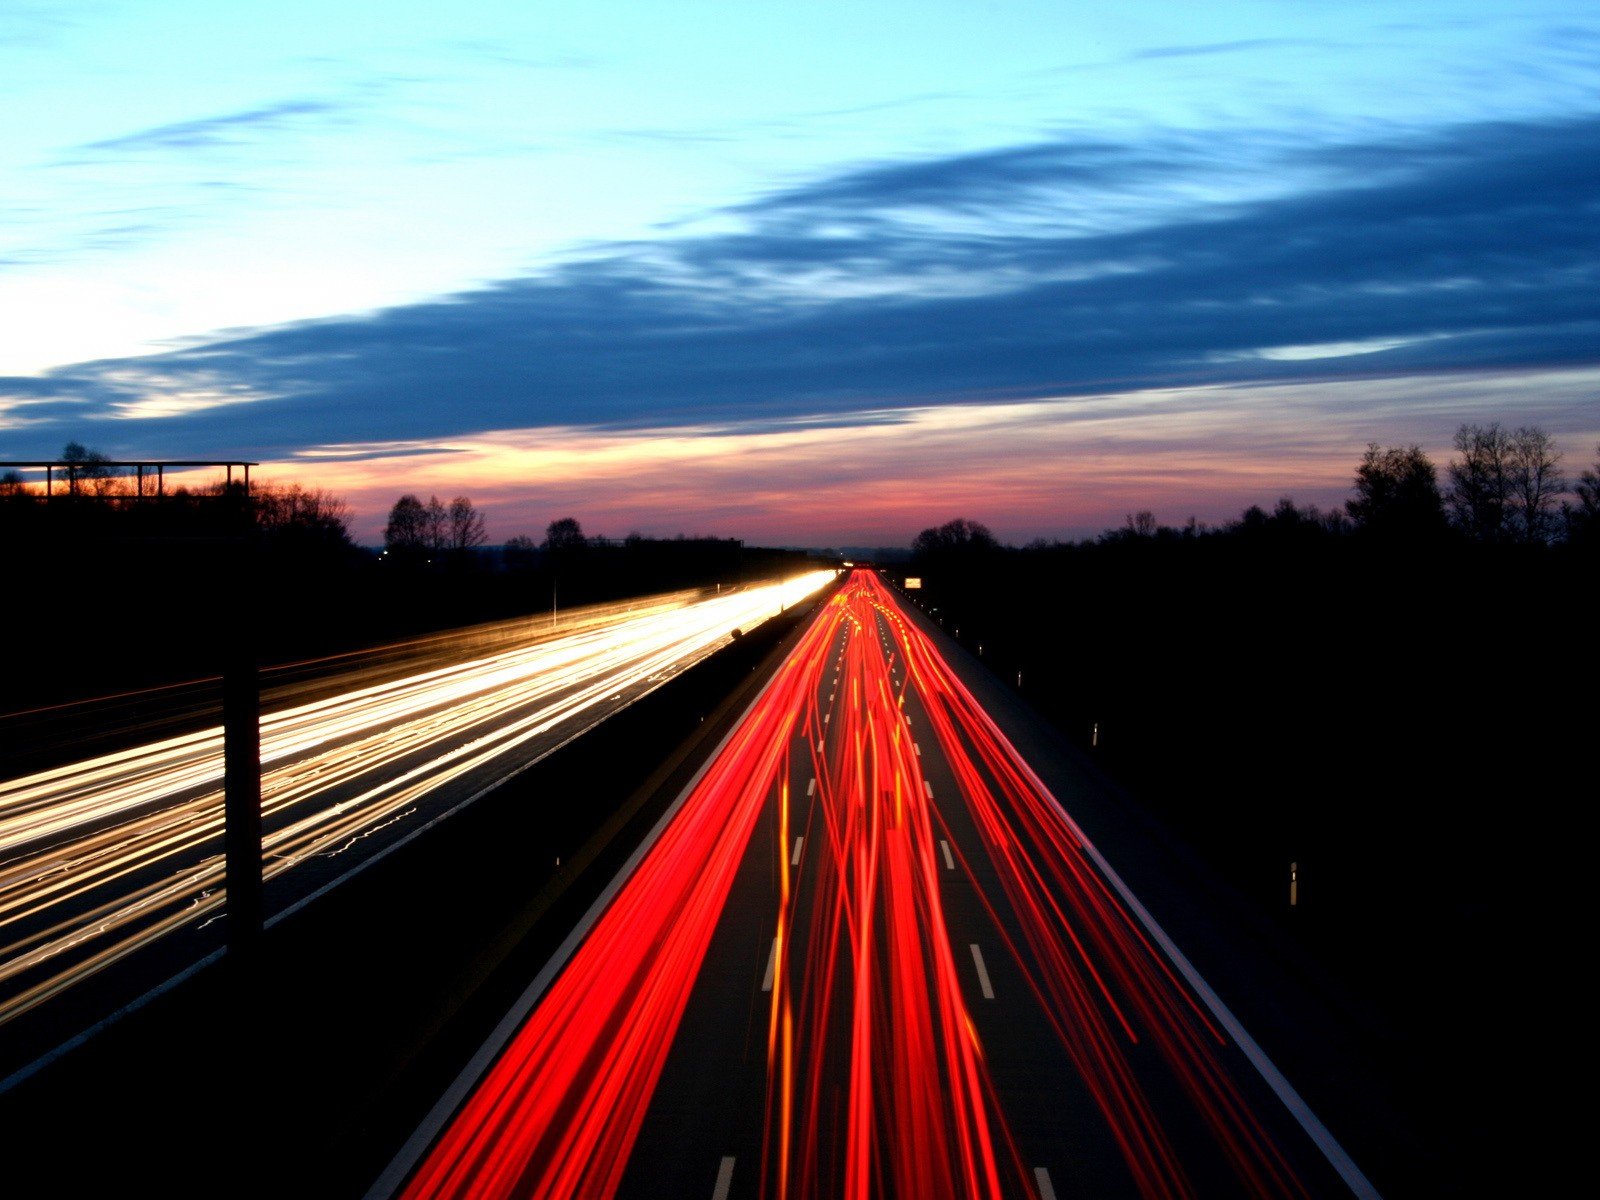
[[225, 130], [1240, 46], [958, 280]]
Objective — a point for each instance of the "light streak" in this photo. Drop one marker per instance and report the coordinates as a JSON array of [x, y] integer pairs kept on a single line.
[[557, 1113], [101, 858], [876, 1078]]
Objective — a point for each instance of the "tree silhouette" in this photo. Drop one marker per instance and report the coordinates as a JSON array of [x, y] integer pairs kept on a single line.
[[303, 520], [407, 530], [468, 529], [1583, 518], [1505, 484], [564, 535], [1536, 481], [87, 470], [956, 537], [520, 553], [1397, 494], [1480, 481]]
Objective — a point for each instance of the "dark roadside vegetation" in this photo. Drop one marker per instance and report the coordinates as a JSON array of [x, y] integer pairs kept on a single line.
[[1396, 701], [118, 592]]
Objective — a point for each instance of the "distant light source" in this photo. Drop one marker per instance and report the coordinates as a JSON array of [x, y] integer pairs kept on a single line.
[[913, 581]]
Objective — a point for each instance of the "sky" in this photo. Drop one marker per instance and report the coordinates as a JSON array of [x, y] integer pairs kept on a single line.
[[801, 273]]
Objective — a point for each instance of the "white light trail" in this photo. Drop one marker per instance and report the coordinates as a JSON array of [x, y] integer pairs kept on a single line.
[[101, 857]]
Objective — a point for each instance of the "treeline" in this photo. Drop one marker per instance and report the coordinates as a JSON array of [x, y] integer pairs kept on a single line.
[[1395, 696], [120, 588], [1506, 487]]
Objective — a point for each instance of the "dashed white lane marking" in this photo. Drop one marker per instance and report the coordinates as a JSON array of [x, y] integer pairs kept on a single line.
[[977, 961], [917, 746], [949, 863], [928, 787], [1047, 1190], [819, 745], [811, 788], [826, 717], [725, 1180], [795, 860], [772, 965]]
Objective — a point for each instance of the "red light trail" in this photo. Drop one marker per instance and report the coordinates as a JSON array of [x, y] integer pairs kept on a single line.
[[877, 1081]]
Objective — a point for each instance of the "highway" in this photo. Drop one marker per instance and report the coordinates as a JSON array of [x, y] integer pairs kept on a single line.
[[867, 953], [102, 857]]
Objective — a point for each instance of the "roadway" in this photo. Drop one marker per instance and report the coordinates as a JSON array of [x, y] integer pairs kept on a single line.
[[105, 857], [866, 953]]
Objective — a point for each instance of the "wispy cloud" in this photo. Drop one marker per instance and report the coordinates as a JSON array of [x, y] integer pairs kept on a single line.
[[1238, 46], [227, 129]]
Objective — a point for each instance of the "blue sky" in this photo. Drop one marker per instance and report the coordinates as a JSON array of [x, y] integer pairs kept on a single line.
[[403, 247]]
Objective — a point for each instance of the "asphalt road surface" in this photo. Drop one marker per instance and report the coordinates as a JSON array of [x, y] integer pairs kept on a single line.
[[867, 953], [106, 857]]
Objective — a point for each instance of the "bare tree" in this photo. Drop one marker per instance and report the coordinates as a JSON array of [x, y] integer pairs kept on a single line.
[[1534, 466], [468, 529], [1480, 482], [88, 471], [293, 515], [1583, 518], [1142, 523], [438, 526], [1397, 494]]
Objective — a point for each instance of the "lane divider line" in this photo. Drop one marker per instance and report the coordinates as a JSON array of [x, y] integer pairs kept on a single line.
[[794, 861], [725, 1180], [1047, 1190], [811, 788], [772, 964], [983, 972], [949, 863]]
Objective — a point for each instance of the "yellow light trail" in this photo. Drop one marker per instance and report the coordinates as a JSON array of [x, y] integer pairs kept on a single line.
[[102, 857]]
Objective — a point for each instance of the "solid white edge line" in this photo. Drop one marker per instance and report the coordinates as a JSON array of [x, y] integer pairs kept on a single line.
[[724, 1179], [405, 1161], [1337, 1156], [772, 967], [950, 863], [1047, 1190], [798, 843], [983, 972]]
